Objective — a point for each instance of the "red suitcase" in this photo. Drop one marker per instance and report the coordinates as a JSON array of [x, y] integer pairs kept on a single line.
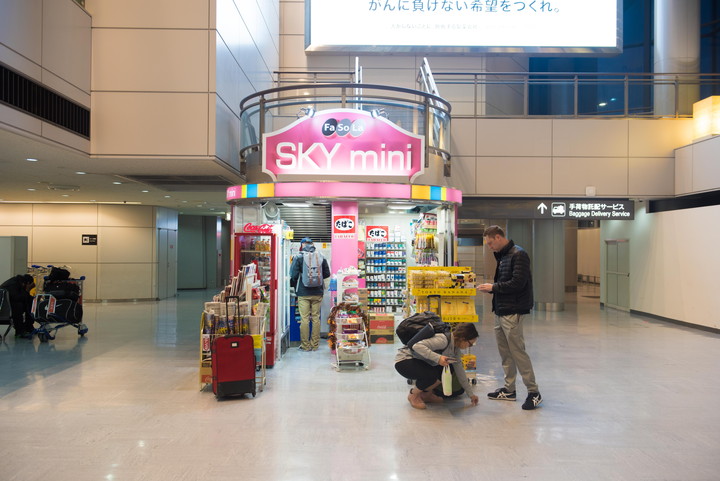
[[233, 365]]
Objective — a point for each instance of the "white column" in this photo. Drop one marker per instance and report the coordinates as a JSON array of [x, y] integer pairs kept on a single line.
[[677, 50]]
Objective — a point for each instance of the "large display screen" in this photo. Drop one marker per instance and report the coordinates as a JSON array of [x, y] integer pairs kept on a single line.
[[578, 27]]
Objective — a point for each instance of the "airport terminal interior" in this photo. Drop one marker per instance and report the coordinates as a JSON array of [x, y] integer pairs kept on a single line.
[[144, 167], [625, 398]]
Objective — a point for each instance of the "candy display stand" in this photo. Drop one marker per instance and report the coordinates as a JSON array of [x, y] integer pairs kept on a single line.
[[351, 341]]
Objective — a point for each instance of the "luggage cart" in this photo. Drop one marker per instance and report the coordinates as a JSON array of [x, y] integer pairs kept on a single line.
[[58, 306], [38, 273]]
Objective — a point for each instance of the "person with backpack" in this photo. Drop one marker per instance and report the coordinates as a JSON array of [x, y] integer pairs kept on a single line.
[[423, 361], [307, 274]]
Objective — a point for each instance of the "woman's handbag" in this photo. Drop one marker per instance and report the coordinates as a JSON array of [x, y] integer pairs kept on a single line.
[[447, 381]]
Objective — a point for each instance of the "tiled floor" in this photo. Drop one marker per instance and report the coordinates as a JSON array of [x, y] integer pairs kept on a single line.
[[626, 398]]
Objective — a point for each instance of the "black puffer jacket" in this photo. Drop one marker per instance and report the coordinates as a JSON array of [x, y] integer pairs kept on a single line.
[[512, 289]]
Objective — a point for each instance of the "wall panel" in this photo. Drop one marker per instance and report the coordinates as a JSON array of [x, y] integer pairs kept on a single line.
[[19, 26], [571, 176], [651, 176], [156, 14], [497, 176], [54, 245], [125, 281], [66, 42], [150, 60], [125, 216], [138, 123], [64, 215], [590, 138]]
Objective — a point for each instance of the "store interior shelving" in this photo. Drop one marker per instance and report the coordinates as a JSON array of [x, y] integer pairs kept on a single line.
[[385, 275]]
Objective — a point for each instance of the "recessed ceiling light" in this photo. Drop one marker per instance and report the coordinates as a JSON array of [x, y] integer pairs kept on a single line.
[[66, 195], [32, 189], [80, 173], [117, 183], [144, 191], [167, 196], [30, 159]]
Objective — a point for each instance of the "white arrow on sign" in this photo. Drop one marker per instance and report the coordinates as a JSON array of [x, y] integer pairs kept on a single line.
[[542, 207]]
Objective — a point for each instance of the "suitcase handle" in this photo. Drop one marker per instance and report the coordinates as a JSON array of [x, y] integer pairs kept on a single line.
[[244, 327]]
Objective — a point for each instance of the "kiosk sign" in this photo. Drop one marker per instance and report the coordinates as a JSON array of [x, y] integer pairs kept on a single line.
[[344, 227], [343, 142], [377, 233]]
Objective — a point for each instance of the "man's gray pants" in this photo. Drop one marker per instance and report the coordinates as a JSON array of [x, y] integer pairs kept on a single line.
[[511, 344]]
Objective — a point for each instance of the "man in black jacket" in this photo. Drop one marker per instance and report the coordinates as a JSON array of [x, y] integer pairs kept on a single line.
[[512, 299], [19, 288]]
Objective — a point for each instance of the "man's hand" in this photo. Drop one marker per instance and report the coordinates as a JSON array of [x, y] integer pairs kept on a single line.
[[485, 288]]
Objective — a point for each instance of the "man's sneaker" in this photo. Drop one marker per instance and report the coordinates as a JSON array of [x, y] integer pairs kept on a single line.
[[503, 394], [533, 400]]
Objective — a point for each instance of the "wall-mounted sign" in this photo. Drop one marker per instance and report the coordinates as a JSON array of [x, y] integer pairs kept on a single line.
[[89, 239], [511, 26], [258, 229], [567, 209], [342, 142], [377, 233], [344, 227]]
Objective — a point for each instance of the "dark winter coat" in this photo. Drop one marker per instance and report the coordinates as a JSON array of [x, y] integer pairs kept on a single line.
[[296, 275], [512, 289]]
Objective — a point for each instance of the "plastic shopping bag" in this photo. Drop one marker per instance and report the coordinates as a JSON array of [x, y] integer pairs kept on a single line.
[[447, 381]]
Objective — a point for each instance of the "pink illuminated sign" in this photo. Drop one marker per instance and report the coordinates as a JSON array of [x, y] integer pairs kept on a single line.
[[343, 142]]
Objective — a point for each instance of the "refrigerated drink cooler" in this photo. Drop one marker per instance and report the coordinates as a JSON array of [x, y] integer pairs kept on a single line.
[[269, 252]]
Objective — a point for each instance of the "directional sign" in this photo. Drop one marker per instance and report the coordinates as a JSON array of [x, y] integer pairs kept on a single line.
[[589, 208]]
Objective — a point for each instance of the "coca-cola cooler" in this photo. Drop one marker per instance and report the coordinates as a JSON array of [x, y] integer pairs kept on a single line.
[[258, 245]]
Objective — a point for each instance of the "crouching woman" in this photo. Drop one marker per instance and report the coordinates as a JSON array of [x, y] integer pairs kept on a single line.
[[424, 363]]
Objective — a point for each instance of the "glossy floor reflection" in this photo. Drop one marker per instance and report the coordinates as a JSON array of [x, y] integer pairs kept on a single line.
[[626, 398]]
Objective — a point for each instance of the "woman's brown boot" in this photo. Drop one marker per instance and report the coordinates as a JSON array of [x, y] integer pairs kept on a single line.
[[415, 398]]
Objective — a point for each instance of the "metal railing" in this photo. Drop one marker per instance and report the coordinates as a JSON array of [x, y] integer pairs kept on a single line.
[[418, 112], [574, 94]]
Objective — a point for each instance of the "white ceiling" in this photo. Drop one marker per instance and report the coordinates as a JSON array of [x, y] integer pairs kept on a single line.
[[55, 178]]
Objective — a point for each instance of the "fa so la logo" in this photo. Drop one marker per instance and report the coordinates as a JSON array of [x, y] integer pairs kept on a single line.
[[343, 127]]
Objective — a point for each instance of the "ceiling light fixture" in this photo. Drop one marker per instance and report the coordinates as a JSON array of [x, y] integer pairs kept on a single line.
[[30, 159]]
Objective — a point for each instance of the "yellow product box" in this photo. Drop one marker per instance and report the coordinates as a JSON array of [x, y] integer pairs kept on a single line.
[[469, 362]]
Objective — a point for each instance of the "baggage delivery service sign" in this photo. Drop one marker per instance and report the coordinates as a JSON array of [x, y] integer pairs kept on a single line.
[[343, 142]]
